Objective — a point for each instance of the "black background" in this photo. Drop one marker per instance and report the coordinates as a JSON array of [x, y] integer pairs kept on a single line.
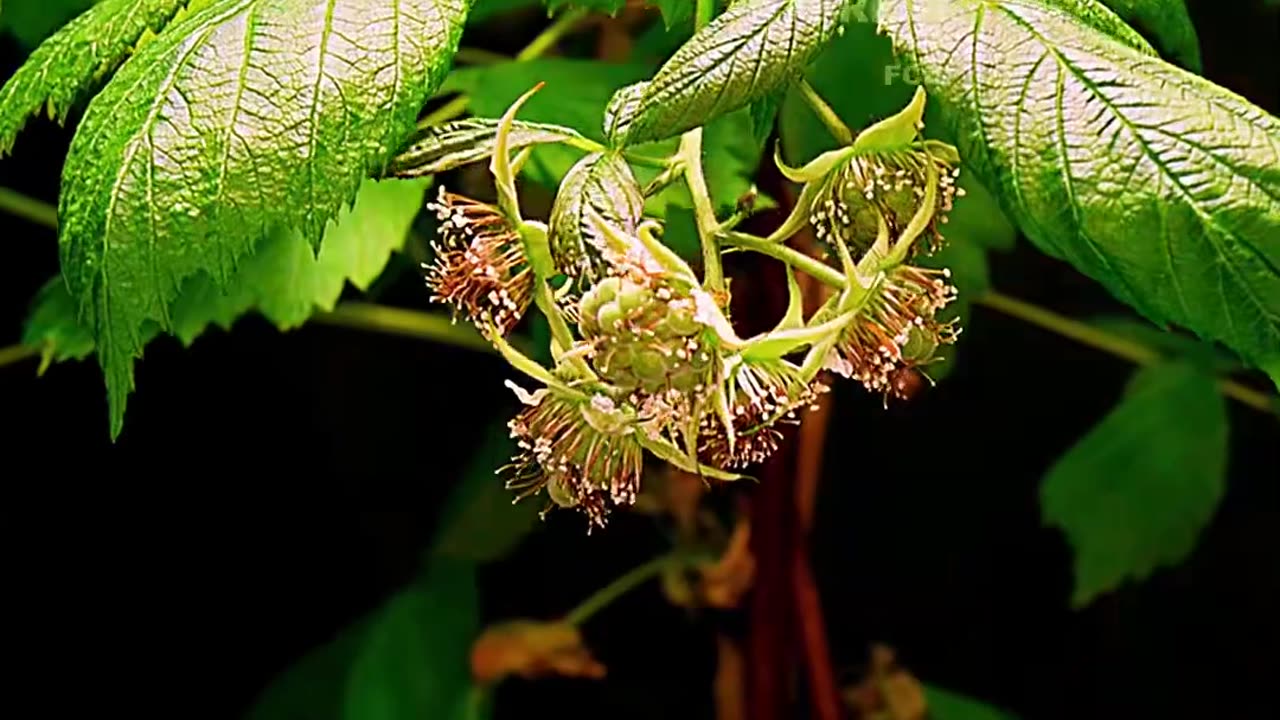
[[269, 488]]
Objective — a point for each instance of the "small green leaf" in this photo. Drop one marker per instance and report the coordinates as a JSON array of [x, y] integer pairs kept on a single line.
[[674, 12], [441, 148], [1135, 492], [244, 116], [51, 326], [755, 48], [1151, 180], [602, 182], [1168, 22], [946, 705], [76, 59], [288, 283]]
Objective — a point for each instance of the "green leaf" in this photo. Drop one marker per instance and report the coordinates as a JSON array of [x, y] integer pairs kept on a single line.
[[75, 59], [486, 9], [1168, 22], [604, 183], [574, 96], [674, 12], [414, 661], [51, 326], [285, 281], [1135, 492], [1147, 178], [751, 51], [946, 705], [31, 21], [245, 116], [608, 7], [408, 658], [763, 114], [444, 147]]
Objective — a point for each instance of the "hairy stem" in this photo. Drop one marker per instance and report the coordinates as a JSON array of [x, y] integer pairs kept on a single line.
[[703, 212], [28, 208], [605, 596], [828, 116], [792, 257]]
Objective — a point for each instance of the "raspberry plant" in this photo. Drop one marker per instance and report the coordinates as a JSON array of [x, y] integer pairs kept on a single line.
[[224, 145]]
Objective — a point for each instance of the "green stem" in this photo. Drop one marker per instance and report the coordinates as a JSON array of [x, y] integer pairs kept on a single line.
[[37, 211], [1120, 347], [407, 323], [828, 116], [704, 213], [17, 353], [605, 596], [796, 259]]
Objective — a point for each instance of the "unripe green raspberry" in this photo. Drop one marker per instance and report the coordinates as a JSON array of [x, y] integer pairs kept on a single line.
[[644, 338]]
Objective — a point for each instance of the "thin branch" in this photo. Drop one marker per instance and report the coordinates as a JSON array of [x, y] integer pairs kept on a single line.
[[1130, 350], [406, 323], [605, 596], [17, 353], [28, 208], [825, 113]]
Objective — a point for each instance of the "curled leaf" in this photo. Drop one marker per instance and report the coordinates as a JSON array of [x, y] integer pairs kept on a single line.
[[440, 148]]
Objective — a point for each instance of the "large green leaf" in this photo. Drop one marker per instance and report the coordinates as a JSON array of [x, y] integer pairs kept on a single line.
[[1168, 22], [287, 282], [283, 280], [746, 54], [75, 59], [1155, 182], [246, 116], [1135, 492]]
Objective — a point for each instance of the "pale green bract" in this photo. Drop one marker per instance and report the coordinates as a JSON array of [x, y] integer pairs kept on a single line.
[[1151, 180], [246, 116]]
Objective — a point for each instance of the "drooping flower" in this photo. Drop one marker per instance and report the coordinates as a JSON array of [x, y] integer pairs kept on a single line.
[[480, 266], [761, 396], [583, 452], [897, 330]]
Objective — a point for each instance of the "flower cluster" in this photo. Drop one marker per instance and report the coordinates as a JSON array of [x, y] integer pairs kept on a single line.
[[645, 360]]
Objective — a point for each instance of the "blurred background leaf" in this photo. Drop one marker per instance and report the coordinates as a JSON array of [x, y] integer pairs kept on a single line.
[[1134, 493]]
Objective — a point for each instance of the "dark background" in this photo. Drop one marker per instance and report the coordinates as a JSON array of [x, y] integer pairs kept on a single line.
[[236, 523]]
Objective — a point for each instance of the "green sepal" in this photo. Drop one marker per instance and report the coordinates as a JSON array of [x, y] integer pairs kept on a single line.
[[665, 450], [504, 175], [776, 345], [895, 131]]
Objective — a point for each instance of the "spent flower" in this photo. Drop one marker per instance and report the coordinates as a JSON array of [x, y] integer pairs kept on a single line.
[[480, 266]]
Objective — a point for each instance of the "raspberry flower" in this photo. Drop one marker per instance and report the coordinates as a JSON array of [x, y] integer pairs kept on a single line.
[[897, 329], [581, 448], [480, 266], [760, 395]]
